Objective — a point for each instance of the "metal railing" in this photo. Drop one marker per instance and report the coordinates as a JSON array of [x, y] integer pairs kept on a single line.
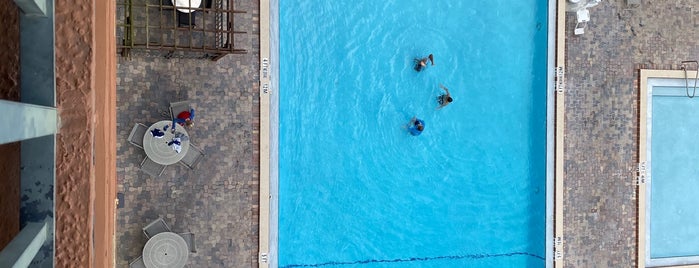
[[189, 28]]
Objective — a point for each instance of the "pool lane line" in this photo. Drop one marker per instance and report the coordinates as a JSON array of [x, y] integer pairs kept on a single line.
[[420, 259]]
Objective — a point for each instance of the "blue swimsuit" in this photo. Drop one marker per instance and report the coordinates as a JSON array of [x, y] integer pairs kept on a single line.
[[413, 129]]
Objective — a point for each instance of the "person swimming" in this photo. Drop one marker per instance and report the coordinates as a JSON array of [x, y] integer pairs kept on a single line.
[[421, 64], [445, 98], [416, 126]]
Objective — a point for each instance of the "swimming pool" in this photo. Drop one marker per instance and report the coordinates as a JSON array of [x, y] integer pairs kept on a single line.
[[356, 189], [670, 155]]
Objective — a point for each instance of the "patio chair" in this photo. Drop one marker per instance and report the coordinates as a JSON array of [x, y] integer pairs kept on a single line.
[[137, 263], [137, 133], [189, 238], [633, 3], [152, 168], [193, 157], [582, 17], [155, 227], [178, 107]]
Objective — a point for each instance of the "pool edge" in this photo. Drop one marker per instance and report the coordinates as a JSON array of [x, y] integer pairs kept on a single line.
[[554, 180], [263, 258]]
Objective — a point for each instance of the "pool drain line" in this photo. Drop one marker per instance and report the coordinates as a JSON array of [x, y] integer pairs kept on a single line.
[[686, 79], [474, 256]]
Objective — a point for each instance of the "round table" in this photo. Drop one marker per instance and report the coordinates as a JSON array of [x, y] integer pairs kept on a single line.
[[165, 250], [157, 148], [184, 5]]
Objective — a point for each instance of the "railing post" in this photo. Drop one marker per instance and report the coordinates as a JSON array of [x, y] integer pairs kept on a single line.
[[23, 248], [32, 7], [26, 121]]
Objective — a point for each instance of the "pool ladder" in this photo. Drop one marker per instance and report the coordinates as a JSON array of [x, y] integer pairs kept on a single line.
[[686, 79]]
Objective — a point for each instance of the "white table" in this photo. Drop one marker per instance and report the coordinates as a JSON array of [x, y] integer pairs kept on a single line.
[[165, 250], [157, 148], [184, 5]]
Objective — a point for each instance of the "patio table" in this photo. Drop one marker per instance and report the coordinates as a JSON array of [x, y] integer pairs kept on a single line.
[[157, 148], [184, 5], [165, 249]]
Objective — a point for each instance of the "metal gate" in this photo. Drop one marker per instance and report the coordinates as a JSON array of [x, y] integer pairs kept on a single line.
[[178, 28]]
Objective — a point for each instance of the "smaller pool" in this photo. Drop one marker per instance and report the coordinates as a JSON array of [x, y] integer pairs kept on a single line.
[[672, 154], [675, 185]]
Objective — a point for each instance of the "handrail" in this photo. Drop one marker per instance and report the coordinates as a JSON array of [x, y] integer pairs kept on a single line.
[[686, 79], [149, 27]]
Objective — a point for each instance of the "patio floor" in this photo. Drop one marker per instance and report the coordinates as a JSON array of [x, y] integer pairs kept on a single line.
[[218, 200]]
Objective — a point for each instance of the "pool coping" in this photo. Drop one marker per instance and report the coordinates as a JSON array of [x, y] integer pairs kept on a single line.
[[555, 121], [556, 243], [265, 209], [643, 179]]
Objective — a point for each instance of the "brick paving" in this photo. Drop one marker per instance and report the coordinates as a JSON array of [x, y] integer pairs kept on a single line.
[[218, 201], [602, 103]]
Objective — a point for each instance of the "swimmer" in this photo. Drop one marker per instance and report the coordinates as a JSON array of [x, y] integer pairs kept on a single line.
[[445, 98], [421, 64], [416, 126]]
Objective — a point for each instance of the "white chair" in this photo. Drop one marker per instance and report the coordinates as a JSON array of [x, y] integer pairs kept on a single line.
[[582, 16], [137, 133], [189, 238], [633, 3], [193, 157], [152, 168], [178, 107], [137, 263], [155, 227]]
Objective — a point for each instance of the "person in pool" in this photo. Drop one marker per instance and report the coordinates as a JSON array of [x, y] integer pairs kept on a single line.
[[421, 64], [416, 126], [445, 98]]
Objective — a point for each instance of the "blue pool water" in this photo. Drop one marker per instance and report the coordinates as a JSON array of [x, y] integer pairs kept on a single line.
[[355, 189], [673, 224]]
